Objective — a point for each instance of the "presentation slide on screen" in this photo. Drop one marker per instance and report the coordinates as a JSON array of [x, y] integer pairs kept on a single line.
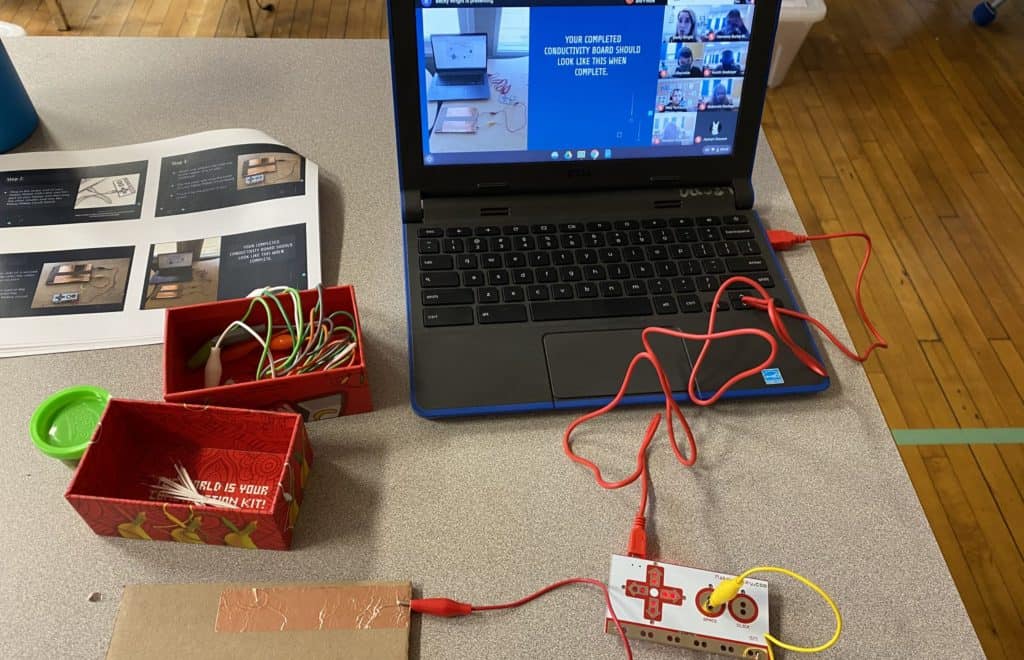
[[561, 81]]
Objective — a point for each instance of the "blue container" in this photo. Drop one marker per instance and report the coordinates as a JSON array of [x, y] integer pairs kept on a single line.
[[17, 116]]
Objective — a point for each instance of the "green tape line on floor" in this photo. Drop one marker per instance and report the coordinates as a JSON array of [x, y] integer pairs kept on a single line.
[[958, 436]]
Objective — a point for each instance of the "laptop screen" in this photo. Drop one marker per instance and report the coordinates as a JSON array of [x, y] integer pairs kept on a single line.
[[456, 52], [578, 80]]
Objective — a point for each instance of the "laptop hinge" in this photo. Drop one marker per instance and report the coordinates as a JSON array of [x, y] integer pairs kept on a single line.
[[412, 206], [743, 191]]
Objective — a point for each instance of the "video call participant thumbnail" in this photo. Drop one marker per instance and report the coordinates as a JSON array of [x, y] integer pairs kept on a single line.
[[725, 59], [685, 66], [678, 96], [685, 26]]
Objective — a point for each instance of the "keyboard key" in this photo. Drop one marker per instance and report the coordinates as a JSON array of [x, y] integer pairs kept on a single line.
[[516, 230], [448, 297], [502, 314], [689, 303], [594, 273], [537, 292], [610, 289], [472, 278], [689, 267], [543, 229], [666, 269], [643, 270], [572, 241], [706, 282], [684, 285], [749, 248], [547, 242], [686, 235], [679, 252], [487, 231], [586, 290], [703, 250], [538, 259], [654, 223], [430, 232], [640, 237], [633, 254], [433, 318], [459, 231], [723, 306], [561, 291], [660, 285], [467, 261], [618, 238], [735, 299], [487, 294], [515, 260], [709, 234], [593, 239], [628, 225], [746, 264], [477, 244], [500, 244], [665, 305], [713, 266], [522, 276], [546, 275], [735, 219], [570, 227], [513, 294], [570, 274], [726, 249], [635, 288], [680, 222], [428, 246], [599, 226], [563, 258], [764, 279], [609, 255], [657, 252], [437, 262], [618, 272], [662, 237], [585, 257], [433, 280], [524, 243], [708, 220], [491, 260], [736, 233], [591, 309], [497, 277]]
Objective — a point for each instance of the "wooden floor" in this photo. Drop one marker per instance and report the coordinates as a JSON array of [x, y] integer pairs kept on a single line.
[[899, 118]]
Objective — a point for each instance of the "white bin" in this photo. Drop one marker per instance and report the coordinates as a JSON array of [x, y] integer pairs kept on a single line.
[[794, 23]]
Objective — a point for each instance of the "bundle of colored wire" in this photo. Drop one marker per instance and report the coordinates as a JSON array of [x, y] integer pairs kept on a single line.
[[318, 342]]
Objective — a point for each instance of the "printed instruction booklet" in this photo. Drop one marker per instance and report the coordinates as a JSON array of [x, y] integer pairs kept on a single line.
[[94, 245]]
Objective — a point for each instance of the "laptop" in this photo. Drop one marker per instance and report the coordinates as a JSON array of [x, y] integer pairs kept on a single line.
[[460, 67], [536, 251], [172, 267]]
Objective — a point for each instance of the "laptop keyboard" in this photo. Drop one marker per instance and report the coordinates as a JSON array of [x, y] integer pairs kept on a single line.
[[460, 79], [583, 270]]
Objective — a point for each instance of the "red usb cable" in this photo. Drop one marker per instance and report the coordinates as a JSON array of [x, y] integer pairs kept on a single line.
[[451, 608]]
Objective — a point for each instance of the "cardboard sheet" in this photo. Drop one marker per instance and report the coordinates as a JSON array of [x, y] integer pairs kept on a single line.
[[157, 621]]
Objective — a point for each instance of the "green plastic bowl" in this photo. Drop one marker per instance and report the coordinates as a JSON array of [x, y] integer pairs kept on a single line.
[[63, 424]]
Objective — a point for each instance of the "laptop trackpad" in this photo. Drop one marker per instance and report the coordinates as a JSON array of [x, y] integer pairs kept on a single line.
[[593, 364]]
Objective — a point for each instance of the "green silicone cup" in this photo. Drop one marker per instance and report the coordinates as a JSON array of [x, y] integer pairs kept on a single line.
[[63, 424]]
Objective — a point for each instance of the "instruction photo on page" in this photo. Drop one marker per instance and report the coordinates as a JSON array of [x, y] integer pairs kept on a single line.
[[112, 237]]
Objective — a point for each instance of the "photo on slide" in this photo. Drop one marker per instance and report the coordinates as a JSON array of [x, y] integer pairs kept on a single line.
[[82, 284], [106, 191], [267, 169], [476, 79], [182, 273]]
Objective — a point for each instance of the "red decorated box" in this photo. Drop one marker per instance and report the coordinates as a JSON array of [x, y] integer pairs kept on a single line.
[[316, 395], [258, 461]]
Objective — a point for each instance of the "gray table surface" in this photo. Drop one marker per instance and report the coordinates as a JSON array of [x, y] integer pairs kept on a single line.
[[483, 510]]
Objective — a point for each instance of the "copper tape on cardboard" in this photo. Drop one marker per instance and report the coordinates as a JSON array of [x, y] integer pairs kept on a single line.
[[349, 607]]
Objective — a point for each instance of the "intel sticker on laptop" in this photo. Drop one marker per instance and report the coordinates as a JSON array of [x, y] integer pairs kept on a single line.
[[772, 376]]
